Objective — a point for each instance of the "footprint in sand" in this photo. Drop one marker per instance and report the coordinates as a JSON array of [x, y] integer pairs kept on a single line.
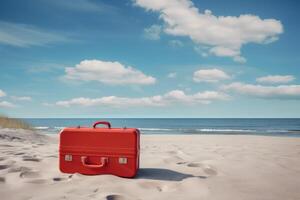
[[6, 145], [37, 181], [8, 152], [208, 169], [96, 190], [181, 163], [29, 174], [172, 159], [52, 156], [172, 152], [2, 180], [150, 185], [57, 179], [115, 197], [2, 158], [20, 153], [194, 165], [30, 158], [18, 169], [4, 167]]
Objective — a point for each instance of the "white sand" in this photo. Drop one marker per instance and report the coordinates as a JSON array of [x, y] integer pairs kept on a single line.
[[172, 167]]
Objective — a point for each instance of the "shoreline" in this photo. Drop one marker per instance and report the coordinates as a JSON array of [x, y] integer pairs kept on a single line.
[[211, 134]]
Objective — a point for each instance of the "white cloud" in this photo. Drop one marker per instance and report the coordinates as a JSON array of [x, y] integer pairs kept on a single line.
[[275, 79], [228, 52], [223, 51], [200, 97], [24, 98], [6, 104], [275, 92], [23, 35], [210, 75], [112, 101], [153, 32], [172, 75], [175, 96], [2, 93], [224, 34], [113, 73]]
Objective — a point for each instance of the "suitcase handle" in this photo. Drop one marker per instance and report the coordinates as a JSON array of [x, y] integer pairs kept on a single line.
[[103, 160], [102, 122]]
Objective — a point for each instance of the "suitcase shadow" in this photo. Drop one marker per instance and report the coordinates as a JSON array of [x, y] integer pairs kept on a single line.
[[163, 174]]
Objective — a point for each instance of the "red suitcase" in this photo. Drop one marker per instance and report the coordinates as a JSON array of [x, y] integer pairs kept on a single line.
[[96, 150]]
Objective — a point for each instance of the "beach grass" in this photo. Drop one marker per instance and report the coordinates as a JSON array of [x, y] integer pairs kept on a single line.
[[7, 122]]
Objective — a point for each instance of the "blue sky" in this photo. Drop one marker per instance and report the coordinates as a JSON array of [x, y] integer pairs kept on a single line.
[[147, 58]]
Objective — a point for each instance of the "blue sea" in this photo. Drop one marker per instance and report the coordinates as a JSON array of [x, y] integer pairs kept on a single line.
[[243, 126]]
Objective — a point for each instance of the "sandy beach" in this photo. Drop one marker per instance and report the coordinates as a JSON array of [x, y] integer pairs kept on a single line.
[[172, 167]]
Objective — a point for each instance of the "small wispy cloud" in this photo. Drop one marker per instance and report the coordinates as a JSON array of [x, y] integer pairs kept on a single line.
[[24, 35], [152, 32], [267, 92], [273, 79], [21, 98], [6, 104], [172, 97], [210, 75]]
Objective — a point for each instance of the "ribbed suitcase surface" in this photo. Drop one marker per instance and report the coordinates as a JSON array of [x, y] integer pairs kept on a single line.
[[94, 151]]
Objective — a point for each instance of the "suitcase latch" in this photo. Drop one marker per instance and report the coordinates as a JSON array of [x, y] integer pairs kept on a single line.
[[68, 158], [122, 160]]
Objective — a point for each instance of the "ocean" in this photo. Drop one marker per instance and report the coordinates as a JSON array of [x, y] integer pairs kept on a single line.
[[242, 126]]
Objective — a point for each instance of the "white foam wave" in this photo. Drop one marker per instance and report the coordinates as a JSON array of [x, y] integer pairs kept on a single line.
[[41, 127], [197, 130], [59, 127], [223, 130], [156, 129]]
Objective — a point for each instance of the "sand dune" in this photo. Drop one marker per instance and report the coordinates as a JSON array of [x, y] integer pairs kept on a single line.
[[172, 167]]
